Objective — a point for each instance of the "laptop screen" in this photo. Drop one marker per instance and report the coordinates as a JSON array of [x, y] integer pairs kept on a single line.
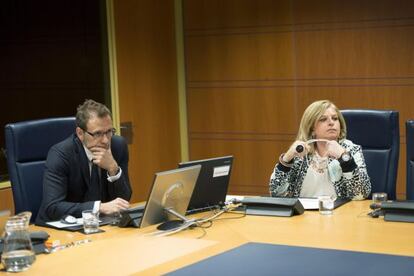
[[171, 189], [212, 183]]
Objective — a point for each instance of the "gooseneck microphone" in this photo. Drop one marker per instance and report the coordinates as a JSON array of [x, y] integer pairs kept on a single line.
[[299, 148]]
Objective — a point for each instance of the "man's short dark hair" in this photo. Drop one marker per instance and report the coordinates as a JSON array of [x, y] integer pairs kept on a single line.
[[89, 109]]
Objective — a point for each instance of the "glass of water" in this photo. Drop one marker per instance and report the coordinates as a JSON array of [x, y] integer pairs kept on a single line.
[[379, 197], [326, 205], [90, 221]]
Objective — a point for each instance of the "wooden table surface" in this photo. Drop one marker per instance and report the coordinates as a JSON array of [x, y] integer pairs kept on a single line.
[[126, 251]]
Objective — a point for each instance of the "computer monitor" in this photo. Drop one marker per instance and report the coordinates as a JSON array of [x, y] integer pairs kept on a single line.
[[171, 190], [212, 183]]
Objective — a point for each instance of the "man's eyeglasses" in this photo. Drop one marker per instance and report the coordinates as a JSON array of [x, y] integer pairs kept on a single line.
[[100, 134]]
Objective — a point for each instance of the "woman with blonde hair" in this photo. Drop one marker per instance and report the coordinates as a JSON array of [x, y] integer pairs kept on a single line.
[[321, 161]]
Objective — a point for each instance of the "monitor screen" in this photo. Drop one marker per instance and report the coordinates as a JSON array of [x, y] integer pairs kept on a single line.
[[171, 189], [212, 183]]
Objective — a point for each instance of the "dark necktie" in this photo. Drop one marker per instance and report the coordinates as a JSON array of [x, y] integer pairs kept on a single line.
[[95, 185]]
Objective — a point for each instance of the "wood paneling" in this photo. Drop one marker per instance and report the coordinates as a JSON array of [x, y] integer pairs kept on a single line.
[[147, 80], [6, 200], [206, 15], [361, 53], [239, 57], [260, 114], [254, 66], [359, 12]]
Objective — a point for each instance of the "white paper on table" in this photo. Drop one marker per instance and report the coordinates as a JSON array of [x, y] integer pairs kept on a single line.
[[309, 203], [58, 224]]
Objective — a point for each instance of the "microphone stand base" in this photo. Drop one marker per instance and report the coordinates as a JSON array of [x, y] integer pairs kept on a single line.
[[169, 225]]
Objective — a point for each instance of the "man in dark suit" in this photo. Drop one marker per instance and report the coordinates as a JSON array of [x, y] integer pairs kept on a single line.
[[88, 170]]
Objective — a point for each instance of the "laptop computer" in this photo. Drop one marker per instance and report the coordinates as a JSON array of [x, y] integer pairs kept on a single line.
[[170, 190], [212, 183]]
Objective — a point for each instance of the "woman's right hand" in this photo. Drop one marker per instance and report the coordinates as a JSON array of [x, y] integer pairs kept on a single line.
[[291, 153]]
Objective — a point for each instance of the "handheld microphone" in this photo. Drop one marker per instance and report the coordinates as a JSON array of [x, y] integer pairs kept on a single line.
[[299, 148]]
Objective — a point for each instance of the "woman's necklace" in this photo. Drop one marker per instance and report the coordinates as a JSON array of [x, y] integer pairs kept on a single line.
[[319, 164]]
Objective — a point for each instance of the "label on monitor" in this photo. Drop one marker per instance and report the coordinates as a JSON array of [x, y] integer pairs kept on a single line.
[[221, 171]]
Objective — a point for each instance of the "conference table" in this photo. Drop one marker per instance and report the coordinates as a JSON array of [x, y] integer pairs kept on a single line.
[[132, 251]]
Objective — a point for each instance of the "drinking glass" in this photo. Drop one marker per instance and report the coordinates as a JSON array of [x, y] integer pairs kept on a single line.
[[326, 205], [379, 197], [90, 221]]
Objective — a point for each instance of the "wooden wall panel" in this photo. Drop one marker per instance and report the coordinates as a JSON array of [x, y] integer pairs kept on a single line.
[[402, 170], [364, 53], [260, 113], [239, 57], [350, 12], [147, 83], [210, 15], [253, 67], [6, 200]]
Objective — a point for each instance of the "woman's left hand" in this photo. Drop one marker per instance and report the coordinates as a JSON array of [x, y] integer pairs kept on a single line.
[[334, 149]]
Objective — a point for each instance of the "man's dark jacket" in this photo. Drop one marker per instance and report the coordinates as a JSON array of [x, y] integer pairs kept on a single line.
[[66, 181]]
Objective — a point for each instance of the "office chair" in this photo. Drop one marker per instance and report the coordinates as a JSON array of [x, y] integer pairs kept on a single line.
[[27, 145], [378, 133], [409, 135]]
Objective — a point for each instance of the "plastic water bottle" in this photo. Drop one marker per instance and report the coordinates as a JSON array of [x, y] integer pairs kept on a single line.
[[18, 252]]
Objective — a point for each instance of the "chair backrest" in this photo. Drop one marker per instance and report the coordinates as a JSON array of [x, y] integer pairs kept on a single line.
[[409, 135], [27, 145], [378, 133]]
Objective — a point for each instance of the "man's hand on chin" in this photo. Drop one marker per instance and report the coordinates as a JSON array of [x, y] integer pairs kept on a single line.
[[104, 159]]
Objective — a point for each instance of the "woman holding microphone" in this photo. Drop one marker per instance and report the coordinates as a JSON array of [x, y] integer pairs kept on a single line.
[[321, 161]]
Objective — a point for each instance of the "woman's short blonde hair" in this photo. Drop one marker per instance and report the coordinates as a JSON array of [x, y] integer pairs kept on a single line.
[[312, 114]]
